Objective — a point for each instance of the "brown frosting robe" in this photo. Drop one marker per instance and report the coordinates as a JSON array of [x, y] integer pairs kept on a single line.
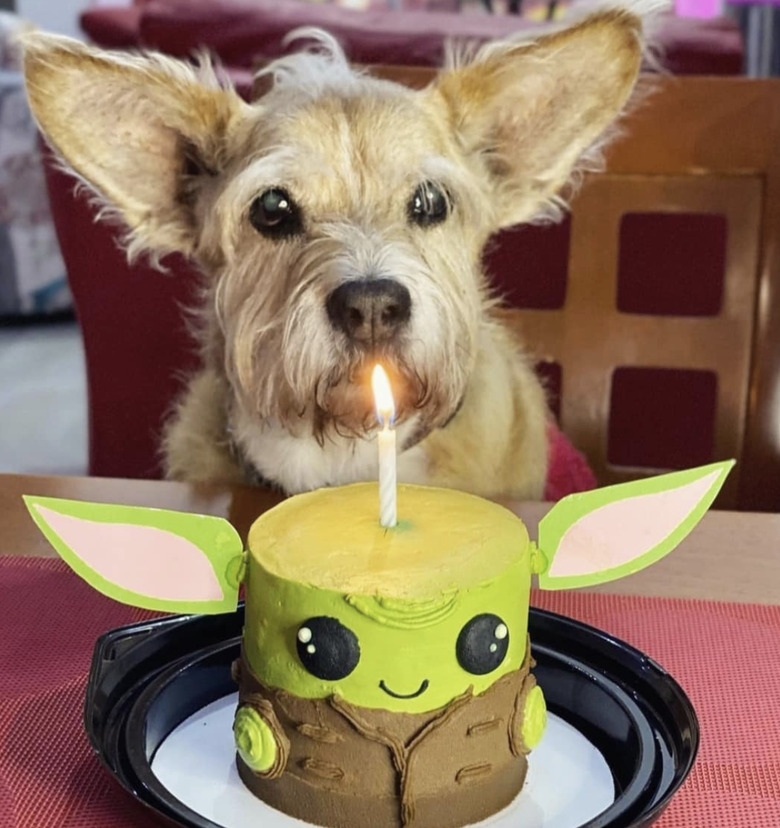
[[354, 767]]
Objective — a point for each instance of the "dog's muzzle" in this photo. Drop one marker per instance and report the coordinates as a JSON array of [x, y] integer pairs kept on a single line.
[[369, 311]]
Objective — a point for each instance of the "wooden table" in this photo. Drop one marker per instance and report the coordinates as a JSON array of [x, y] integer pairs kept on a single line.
[[730, 556]]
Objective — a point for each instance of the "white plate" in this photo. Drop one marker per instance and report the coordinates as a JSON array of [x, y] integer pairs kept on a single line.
[[568, 783]]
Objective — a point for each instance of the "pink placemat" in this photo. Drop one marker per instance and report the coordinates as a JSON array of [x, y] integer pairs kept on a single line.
[[724, 655]]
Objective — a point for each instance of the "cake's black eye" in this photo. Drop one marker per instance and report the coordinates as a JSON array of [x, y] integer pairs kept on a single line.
[[326, 648], [429, 205], [275, 214], [482, 644]]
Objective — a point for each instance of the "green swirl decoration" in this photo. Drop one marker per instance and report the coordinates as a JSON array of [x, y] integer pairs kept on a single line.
[[254, 739], [405, 614]]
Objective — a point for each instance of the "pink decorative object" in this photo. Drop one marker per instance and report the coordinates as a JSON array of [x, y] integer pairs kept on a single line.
[[702, 9], [140, 559], [567, 470], [622, 531]]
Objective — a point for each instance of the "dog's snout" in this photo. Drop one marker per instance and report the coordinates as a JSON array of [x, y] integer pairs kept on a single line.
[[369, 310]]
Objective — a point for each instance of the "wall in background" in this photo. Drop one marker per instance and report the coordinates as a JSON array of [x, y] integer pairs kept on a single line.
[[60, 16]]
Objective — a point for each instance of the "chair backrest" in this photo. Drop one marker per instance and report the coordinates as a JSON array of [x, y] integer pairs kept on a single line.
[[669, 335], [654, 311]]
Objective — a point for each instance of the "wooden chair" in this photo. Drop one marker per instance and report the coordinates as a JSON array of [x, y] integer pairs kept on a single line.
[[687, 369], [701, 147]]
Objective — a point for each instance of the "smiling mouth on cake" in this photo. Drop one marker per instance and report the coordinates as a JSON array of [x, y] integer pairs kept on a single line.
[[420, 690]]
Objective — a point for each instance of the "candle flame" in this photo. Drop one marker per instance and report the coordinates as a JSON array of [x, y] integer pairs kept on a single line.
[[383, 396]]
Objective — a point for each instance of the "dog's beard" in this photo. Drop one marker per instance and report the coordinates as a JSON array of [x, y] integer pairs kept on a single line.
[[322, 381], [344, 404], [290, 367]]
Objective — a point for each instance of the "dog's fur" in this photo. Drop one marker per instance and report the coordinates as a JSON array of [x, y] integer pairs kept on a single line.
[[283, 394]]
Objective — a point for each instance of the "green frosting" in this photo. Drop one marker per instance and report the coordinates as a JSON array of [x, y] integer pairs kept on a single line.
[[404, 594], [534, 718], [406, 615], [402, 656], [235, 571], [254, 739], [539, 562]]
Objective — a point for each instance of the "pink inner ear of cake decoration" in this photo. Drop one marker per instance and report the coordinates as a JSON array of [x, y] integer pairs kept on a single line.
[[620, 532], [141, 559]]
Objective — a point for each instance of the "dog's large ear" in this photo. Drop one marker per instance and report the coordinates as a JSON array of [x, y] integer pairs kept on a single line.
[[533, 110], [139, 130]]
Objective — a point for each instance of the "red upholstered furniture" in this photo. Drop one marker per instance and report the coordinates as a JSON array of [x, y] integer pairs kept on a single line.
[[242, 32], [136, 342]]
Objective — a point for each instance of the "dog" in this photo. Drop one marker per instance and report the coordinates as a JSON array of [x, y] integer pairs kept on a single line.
[[339, 222]]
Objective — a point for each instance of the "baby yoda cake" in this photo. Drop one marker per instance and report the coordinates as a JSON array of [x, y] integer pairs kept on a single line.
[[384, 674]]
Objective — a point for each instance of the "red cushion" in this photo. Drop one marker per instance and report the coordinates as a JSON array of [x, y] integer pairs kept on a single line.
[[114, 27], [241, 33], [135, 338], [701, 47], [568, 470]]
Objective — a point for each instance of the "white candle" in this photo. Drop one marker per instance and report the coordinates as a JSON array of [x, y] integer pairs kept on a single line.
[[385, 412]]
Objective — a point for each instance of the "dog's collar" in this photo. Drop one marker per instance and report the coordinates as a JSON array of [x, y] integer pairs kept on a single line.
[[421, 432]]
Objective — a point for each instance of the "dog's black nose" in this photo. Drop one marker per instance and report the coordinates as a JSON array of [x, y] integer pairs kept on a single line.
[[369, 310]]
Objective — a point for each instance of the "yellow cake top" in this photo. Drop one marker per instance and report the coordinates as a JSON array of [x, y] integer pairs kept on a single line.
[[332, 539]]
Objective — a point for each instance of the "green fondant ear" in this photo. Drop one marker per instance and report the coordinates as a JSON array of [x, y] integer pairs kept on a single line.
[[149, 558], [606, 534]]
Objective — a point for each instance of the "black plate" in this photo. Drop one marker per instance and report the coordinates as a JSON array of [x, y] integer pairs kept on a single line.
[[147, 679]]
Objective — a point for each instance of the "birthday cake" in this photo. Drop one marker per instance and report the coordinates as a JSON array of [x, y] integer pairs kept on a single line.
[[385, 673]]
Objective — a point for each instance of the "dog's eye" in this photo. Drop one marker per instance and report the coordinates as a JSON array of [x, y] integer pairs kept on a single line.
[[429, 205], [275, 214]]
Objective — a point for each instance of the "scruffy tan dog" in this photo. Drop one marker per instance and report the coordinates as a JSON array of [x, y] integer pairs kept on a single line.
[[340, 221]]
